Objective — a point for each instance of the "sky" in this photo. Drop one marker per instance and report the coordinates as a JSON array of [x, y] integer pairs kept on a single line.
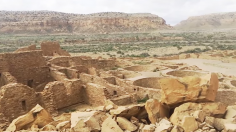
[[173, 11]]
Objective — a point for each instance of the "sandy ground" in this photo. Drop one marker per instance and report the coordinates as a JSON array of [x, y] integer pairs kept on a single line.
[[211, 65]]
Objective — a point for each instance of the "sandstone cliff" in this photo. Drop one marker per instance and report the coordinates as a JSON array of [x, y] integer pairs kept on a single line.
[[57, 22], [210, 21]]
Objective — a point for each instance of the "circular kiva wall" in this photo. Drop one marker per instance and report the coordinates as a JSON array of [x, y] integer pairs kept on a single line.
[[151, 82], [233, 83], [179, 73]]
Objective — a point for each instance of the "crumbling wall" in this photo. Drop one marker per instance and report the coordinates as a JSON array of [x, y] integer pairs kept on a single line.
[[6, 78], [58, 95], [27, 48], [16, 99], [28, 68], [56, 75], [72, 73], [63, 61], [53, 49], [89, 62], [111, 80], [112, 89], [96, 95]]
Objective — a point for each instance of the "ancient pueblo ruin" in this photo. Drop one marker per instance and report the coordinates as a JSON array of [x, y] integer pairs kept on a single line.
[[46, 89]]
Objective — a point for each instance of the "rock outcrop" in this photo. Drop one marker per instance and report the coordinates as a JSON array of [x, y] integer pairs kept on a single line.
[[57, 22], [210, 21]]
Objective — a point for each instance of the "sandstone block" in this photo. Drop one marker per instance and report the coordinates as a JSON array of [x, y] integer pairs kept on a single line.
[[110, 125], [148, 128], [156, 110], [126, 124], [37, 116], [177, 129], [163, 126], [189, 124], [199, 115], [188, 109], [189, 88]]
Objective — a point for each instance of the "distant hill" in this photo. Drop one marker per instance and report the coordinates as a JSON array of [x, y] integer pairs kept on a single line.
[[57, 22], [210, 21]]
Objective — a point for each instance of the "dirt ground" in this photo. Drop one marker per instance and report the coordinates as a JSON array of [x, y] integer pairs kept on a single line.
[[211, 65]]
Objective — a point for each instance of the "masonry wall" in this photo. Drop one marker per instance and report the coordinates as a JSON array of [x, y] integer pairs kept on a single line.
[[28, 68], [27, 48], [97, 63], [62, 61], [53, 49], [16, 99], [58, 95], [6, 78], [95, 94], [112, 89]]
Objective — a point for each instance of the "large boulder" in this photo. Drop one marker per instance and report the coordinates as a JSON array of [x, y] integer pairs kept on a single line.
[[190, 88], [156, 110], [38, 116], [110, 125], [189, 109]]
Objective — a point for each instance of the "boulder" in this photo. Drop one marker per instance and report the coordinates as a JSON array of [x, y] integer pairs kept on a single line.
[[231, 112], [148, 128], [48, 128], [209, 120], [190, 88], [189, 124], [92, 120], [219, 124], [126, 124], [109, 105], [137, 111], [37, 116], [163, 126], [177, 129], [230, 127], [188, 109], [110, 125], [63, 125], [199, 115], [80, 126], [156, 110]]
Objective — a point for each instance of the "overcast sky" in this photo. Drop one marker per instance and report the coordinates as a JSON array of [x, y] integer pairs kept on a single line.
[[173, 11]]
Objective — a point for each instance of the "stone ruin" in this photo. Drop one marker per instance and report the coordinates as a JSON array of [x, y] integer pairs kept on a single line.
[[37, 85]]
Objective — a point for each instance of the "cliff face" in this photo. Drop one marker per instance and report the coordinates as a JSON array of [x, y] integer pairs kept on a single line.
[[56, 22], [211, 21]]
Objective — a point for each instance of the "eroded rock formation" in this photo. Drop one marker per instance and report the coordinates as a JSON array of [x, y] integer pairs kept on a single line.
[[57, 22]]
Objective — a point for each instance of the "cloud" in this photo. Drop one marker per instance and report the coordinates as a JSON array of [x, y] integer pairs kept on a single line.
[[173, 11]]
